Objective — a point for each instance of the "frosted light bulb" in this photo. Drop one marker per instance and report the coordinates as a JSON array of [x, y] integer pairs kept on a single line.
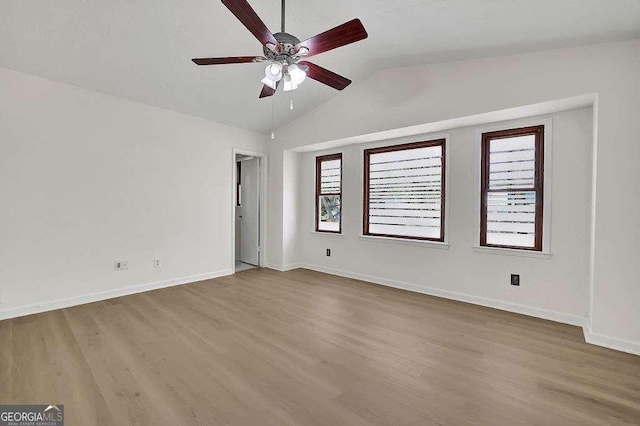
[[289, 84], [297, 74], [273, 71]]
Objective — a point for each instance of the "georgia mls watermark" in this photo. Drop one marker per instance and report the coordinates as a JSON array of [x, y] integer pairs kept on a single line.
[[31, 415]]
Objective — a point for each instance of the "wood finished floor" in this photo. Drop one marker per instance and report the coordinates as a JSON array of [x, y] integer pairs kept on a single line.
[[296, 348]]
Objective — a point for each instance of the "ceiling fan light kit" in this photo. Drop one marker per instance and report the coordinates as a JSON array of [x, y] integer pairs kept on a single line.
[[273, 71], [285, 52], [297, 73], [288, 84]]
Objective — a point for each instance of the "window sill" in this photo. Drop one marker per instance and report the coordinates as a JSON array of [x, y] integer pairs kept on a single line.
[[513, 252], [407, 242], [328, 234]]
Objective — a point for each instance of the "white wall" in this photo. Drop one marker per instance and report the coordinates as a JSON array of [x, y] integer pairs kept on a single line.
[[558, 284], [87, 179], [290, 204], [401, 97]]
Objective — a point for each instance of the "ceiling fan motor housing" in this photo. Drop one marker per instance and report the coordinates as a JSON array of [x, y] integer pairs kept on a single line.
[[287, 55]]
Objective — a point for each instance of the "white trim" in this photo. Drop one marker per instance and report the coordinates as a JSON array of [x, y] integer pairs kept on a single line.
[[328, 234], [405, 241], [592, 236], [512, 252], [284, 268], [602, 340], [609, 342], [104, 295], [476, 300], [547, 186], [264, 171], [590, 337]]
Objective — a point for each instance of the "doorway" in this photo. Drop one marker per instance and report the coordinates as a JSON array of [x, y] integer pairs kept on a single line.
[[248, 202]]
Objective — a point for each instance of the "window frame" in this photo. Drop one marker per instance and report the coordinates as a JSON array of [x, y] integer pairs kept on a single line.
[[319, 160], [539, 132], [441, 141]]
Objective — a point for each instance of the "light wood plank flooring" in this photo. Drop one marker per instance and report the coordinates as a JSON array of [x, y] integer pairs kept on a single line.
[[300, 348]]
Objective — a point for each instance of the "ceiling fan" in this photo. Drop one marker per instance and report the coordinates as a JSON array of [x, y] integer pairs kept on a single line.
[[284, 52]]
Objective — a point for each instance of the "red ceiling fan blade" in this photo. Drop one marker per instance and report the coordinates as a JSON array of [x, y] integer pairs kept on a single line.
[[344, 34], [268, 91], [228, 60], [245, 13], [325, 76]]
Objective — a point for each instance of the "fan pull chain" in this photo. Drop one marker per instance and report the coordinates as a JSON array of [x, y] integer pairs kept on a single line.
[[291, 106], [273, 127]]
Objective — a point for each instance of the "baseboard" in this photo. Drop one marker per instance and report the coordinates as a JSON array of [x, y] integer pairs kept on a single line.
[[284, 268], [589, 337], [461, 297], [104, 295], [609, 342]]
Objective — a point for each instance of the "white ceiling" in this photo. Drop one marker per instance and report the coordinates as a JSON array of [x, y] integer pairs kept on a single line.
[[141, 49]]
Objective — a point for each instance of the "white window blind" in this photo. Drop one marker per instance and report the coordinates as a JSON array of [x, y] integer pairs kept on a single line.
[[404, 191], [512, 189]]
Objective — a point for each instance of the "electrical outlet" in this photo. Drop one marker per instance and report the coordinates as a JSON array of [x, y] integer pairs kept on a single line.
[[121, 265], [329, 252], [156, 263], [515, 279]]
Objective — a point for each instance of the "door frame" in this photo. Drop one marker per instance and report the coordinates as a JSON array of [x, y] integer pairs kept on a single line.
[[264, 163]]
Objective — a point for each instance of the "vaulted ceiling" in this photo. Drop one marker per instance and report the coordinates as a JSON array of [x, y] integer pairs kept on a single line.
[[141, 49]]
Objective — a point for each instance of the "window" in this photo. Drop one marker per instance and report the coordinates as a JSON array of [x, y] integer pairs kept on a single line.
[[404, 190], [329, 193], [512, 188]]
